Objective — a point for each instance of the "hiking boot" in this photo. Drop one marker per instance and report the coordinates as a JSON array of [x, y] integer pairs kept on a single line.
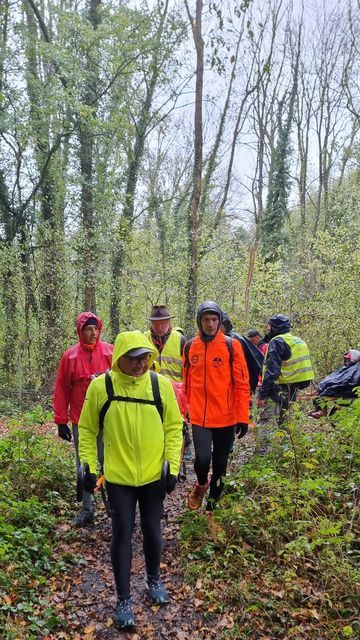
[[196, 496], [124, 614], [157, 592], [84, 518], [210, 505]]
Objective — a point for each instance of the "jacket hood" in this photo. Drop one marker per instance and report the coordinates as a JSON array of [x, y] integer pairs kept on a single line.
[[80, 321], [226, 322], [279, 324], [208, 307], [131, 340]]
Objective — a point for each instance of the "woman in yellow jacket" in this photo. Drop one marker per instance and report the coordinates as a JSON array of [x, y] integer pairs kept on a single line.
[[136, 443]]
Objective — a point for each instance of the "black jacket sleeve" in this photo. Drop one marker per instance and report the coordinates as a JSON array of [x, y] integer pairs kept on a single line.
[[277, 351]]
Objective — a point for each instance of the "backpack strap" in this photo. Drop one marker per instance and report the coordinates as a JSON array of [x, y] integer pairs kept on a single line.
[[111, 397], [156, 393], [187, 363], [229, 344]]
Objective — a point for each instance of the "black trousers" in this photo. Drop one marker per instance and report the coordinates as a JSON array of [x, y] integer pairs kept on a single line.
[[212, 445], [123, 500]]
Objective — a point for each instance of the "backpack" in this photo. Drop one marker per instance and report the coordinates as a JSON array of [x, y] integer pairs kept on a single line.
[[229, 344], [111, 397]]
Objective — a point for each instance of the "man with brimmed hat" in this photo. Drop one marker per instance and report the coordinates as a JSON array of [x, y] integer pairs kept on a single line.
[[168, 342], [81, 363], [138, 438]]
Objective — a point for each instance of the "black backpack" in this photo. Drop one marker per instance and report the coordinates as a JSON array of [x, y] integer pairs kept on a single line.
[[111, 397]]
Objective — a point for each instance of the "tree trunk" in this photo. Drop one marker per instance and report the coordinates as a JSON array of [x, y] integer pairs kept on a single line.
[[193, 218], [86, 139], [125, 226]]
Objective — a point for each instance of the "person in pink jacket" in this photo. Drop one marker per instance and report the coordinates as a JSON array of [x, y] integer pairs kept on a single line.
[[80, 364]]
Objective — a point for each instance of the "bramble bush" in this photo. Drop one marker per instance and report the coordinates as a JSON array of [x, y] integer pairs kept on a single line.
[[36, 489], [282, 550]]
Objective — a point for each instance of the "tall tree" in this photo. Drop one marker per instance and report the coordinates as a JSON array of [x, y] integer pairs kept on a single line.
[[142, 125], [193, 219], [273, 234], [86, 153]]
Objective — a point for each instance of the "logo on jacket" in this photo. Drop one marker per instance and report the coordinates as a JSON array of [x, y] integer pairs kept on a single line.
[[194, 359], [217, 362]]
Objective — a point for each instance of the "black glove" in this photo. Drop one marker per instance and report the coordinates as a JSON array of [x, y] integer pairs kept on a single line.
[[241, 429], [171, 483], [64, 432], [90, 480]]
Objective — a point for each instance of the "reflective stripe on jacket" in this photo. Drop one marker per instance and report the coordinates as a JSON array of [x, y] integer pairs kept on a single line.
[[169, 359], [136, 441], [298, 368]]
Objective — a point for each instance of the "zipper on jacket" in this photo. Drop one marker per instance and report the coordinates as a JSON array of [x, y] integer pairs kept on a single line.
[[205, 394]]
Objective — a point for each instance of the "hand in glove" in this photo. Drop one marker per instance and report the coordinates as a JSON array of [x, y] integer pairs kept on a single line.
[[241, 429], [171, 483], [90, 480], [64, 432]]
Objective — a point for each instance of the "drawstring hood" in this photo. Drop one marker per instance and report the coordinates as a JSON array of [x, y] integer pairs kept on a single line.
[[83, 319], [209, 306]]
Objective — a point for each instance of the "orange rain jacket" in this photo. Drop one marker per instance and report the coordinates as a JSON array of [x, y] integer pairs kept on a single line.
[[218, 397]]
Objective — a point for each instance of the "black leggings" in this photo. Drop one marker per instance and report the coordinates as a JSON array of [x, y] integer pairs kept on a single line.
[[212, 444], [123, 501]]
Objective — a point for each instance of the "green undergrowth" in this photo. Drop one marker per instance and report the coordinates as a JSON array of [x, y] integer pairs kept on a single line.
[[35, 492], [281, 554]]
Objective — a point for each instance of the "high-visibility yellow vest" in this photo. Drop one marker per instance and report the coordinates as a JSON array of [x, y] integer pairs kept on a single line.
[[169, 359], [298, 368]]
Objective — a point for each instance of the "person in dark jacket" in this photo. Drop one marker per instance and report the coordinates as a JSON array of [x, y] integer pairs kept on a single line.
[[287, 368], [253, 356], [341, 383]]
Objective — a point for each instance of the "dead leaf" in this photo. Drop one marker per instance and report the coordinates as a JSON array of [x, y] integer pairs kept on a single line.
[[88, 630]]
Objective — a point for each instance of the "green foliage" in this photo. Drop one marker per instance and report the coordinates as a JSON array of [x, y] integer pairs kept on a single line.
[[284, 540], [35, 489]]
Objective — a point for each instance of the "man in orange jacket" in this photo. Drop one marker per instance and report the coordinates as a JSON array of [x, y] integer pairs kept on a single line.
[[217, 387]]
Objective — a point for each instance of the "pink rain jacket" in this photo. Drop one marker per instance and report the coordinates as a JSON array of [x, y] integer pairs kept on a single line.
[[78, 366]]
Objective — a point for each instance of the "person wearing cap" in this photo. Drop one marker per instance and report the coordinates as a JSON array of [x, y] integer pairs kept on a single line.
[[168, 342], [256, 338], [217, 386], [287, 368], [136, 443], [78, 366]]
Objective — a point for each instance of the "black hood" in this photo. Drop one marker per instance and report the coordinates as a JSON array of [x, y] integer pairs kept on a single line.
[[209, 306], [226, 322], [279, 324]]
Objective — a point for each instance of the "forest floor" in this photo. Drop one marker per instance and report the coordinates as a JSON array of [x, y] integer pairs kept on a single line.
[[84, 597]]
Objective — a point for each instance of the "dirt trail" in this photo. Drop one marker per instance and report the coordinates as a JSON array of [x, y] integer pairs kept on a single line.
[[87, 598]]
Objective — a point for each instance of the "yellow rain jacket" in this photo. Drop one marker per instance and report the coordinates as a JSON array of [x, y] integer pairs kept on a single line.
[[136, 442]]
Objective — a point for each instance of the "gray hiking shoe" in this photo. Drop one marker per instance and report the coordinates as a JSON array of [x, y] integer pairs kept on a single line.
[[124, 614], [84, 518], [156, 591]]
